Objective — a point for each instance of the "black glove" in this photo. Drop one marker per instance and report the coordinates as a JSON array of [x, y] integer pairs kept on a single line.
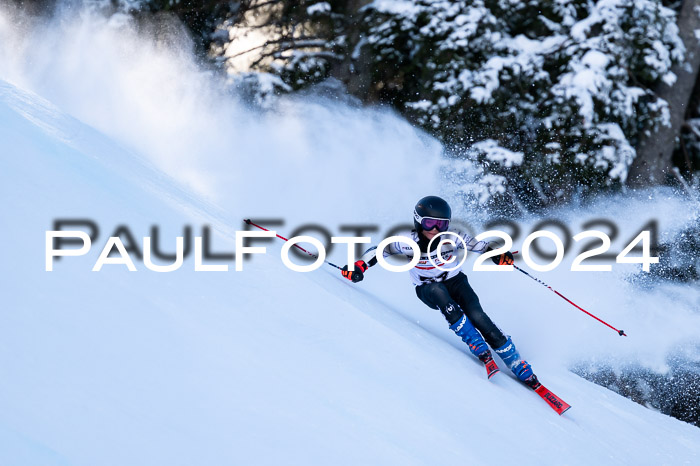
[[504, 259], [358, 274]]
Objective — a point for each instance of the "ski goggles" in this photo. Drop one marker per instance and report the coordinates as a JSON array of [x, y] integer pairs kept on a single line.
[[428, 223]]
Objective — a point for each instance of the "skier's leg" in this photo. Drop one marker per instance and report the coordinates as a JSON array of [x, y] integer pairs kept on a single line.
[[503, 345], [436, 296], [459, 288]]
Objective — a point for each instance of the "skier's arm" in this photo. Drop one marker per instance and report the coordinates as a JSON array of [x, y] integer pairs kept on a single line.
[[472, 244], [482, 246], [368, 259]]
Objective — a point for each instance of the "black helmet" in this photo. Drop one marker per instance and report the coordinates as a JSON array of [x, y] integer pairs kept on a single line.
[[431, 207]]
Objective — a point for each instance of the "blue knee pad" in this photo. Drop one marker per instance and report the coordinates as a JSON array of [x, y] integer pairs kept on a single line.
[[510, 355], [469, 335]]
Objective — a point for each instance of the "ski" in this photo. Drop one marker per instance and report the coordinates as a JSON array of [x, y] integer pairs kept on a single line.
[[491, 366], [556, 403]]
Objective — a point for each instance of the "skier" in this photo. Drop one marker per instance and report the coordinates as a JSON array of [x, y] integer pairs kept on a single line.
[[449, 291]]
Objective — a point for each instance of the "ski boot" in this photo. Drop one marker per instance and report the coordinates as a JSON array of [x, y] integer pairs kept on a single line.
[[469, 335], [520, 367]]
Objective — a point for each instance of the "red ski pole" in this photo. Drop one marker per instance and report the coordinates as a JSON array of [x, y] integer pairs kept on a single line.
[[247, 220], [619, 332]]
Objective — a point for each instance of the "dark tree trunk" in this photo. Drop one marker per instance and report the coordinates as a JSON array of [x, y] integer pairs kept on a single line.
[[653, 162], [354, 69]]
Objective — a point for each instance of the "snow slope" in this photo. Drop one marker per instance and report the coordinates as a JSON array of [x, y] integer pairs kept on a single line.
[[270, 366], [255, 367]]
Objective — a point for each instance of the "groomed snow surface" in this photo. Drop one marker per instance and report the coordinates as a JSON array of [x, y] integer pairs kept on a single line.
[[263, 366]]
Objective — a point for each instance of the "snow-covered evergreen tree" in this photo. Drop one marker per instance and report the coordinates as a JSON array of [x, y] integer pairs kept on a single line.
[[545, 98], [563, 84], [294, 42]]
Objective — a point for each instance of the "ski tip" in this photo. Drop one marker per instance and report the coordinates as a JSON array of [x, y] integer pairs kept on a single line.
[[565, 410]]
